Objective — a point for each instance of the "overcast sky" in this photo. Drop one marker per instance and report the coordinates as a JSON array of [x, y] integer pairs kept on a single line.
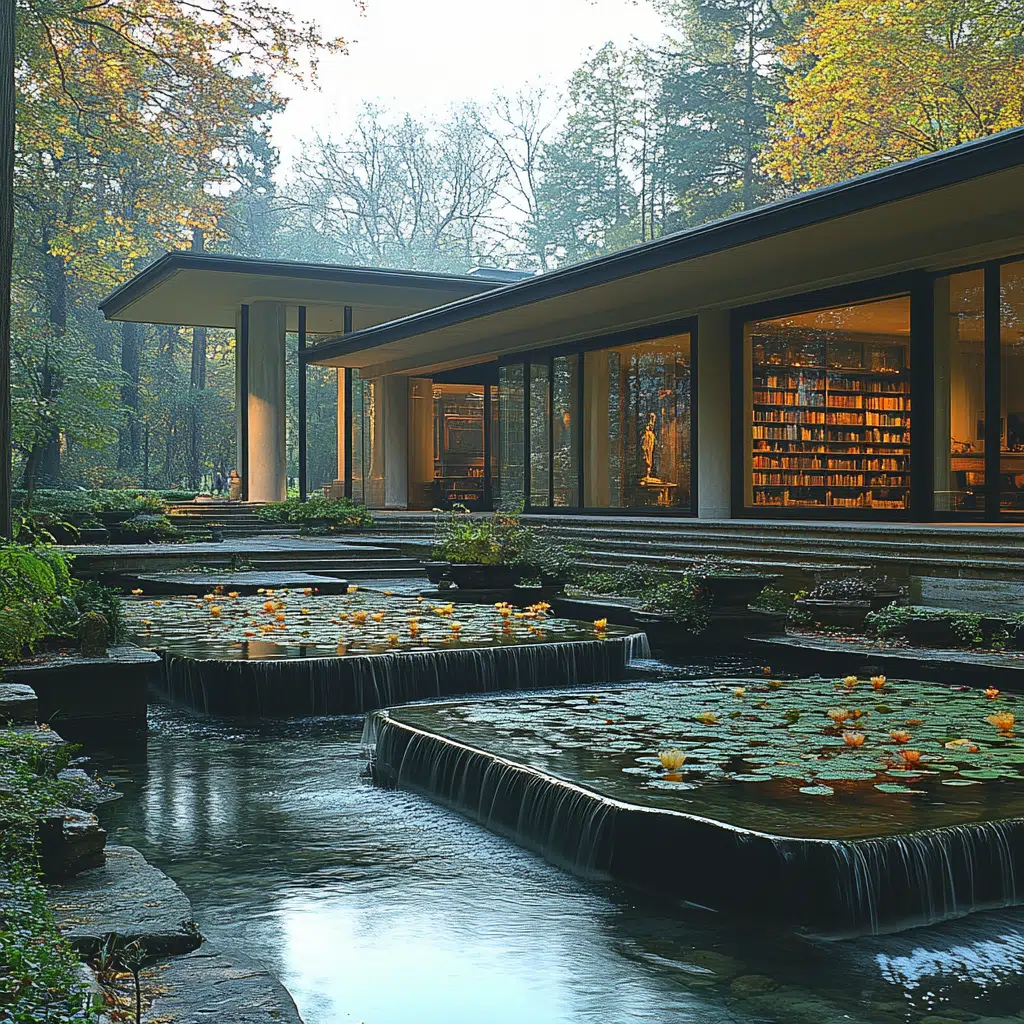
[[422, 55]]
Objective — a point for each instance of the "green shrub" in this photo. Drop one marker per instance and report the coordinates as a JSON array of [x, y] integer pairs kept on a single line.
[[499, 539], [771, 599], [126, 501], [683, 599], [893, 621], [149, 526], [38, 969], [95, 597], [331, 514]]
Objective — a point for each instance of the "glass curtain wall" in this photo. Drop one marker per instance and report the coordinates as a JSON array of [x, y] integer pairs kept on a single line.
[[1011, 388], [458, 449], [960, 392], [367, 441], [565, 430], [828, 408], [509, 484], [540, 435], [324, 445], [637, 405]]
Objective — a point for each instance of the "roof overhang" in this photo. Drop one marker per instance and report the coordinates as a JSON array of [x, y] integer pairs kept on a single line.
[[948, 209], [206, 290]]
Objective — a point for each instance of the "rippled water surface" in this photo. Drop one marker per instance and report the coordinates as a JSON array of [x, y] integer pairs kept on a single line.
[[376, 906]]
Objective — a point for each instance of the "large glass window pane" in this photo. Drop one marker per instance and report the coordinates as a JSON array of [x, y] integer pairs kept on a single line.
[[421, 443], [960, 392], [637, 403], [324, 471], [1011, 360], [510, 482], [358, 442], [458, 445], [566, 431], [540, 440], [828, 407]]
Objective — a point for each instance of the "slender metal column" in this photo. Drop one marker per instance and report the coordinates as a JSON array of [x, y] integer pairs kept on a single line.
[[348, 412], [488, 495], [922, 398], [243, 399], [302, 404], [993, 392]]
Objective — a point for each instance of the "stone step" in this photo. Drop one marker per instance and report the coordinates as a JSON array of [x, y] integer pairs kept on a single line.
[[70, 841], [216, 984], [18, 704], [128, 898]]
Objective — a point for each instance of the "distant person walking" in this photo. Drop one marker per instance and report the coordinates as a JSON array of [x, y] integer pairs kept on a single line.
[[218, 482]]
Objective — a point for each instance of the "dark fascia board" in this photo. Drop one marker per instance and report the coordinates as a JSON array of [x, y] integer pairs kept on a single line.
[[953, 166], [171, 262]]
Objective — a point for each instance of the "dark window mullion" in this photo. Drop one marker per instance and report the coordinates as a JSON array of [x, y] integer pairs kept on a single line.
[[551, 432], [580, 362], [993, 390], [527, 464]]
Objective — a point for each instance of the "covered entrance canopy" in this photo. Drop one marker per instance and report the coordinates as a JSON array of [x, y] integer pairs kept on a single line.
[[262, 300]]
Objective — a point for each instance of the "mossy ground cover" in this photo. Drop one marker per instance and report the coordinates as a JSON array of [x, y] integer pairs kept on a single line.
[[38, 970], [810, 757], [293, 623]]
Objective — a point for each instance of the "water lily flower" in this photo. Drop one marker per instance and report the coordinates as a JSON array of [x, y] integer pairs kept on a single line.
[[393, 639], [600, 624], [419, 600], [156, 604], [838, 715], [414, 627], [910, 756], [352, 588], [672, 759], [1002, 720], [991, 693], [739, 691], [853, 739], [455, 627], [899, 735], [232, 593], [387, 593], [262, 590], [359, 618], [707, 718], [209, 597], [147, 622], [850, 682], [342, 615], [377, 616], [280, 617], [954, 744], [303, 611], [878, 682], [308, 591], [269, 606], [136, 593], [215, 609]]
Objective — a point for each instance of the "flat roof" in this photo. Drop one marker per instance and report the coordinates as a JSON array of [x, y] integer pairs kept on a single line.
[[207, 289], [956, 206]]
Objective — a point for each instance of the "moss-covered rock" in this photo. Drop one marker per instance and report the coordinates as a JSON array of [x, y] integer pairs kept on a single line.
[[93, 635]]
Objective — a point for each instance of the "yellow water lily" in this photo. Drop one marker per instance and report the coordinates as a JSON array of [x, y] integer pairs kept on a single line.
[[672, 759]]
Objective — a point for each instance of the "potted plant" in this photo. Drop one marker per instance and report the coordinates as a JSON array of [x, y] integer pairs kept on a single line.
[[729, 586], [846, 601], [478, 552]]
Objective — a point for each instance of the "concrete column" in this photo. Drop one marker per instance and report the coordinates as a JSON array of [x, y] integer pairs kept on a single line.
[[238, 392], [714, 425], [943, 353], [267, 419], [394, 398]]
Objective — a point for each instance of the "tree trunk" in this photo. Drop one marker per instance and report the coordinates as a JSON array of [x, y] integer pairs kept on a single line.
[[129, 434], [57, 308], [7, 107]]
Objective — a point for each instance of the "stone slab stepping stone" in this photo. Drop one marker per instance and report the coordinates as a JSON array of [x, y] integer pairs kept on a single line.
[[245, 582], [129, 898], [217, 985], [18, 703], [70, 841]]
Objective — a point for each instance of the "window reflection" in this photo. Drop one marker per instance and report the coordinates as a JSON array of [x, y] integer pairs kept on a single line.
[[1011, 361]]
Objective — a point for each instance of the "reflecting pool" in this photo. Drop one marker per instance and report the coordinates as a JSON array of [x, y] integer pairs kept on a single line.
[[377, 906]]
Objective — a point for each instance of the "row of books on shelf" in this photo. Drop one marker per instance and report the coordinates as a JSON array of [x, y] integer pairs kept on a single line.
[[801, 478], [783, 499], [800, 432], [816, 380], [851, 463], [817, 400]]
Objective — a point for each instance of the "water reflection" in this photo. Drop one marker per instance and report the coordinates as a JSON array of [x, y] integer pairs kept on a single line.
[[377, 906]]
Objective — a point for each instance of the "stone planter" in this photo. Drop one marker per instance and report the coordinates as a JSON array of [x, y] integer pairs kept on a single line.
[[931, 633], [737, 589], [467, 576], [847, 614], [115, 518], [217, 532], [437, 572]]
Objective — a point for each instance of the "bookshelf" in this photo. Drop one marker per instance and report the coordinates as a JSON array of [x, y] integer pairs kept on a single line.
[[830, 422]]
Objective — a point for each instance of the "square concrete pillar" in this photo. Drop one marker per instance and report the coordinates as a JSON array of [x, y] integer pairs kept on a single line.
[[714, 420], [395, 402], [267, 410]]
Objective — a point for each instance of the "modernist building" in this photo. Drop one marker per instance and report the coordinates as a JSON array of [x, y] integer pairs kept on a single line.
[[853, 352]]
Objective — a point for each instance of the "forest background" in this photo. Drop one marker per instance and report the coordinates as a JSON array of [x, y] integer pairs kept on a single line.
[[144, 125]]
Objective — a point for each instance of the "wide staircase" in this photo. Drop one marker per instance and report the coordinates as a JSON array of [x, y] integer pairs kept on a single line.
[[896, 549], [232, 518]]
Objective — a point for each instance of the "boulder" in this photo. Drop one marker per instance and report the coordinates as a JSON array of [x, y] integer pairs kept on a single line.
[[18, 704]]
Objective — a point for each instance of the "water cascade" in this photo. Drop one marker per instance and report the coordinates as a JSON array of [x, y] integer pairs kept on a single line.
[[829, 887], [355, 684]]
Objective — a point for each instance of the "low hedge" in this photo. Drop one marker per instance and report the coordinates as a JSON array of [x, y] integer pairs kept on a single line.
[[328, 513]]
